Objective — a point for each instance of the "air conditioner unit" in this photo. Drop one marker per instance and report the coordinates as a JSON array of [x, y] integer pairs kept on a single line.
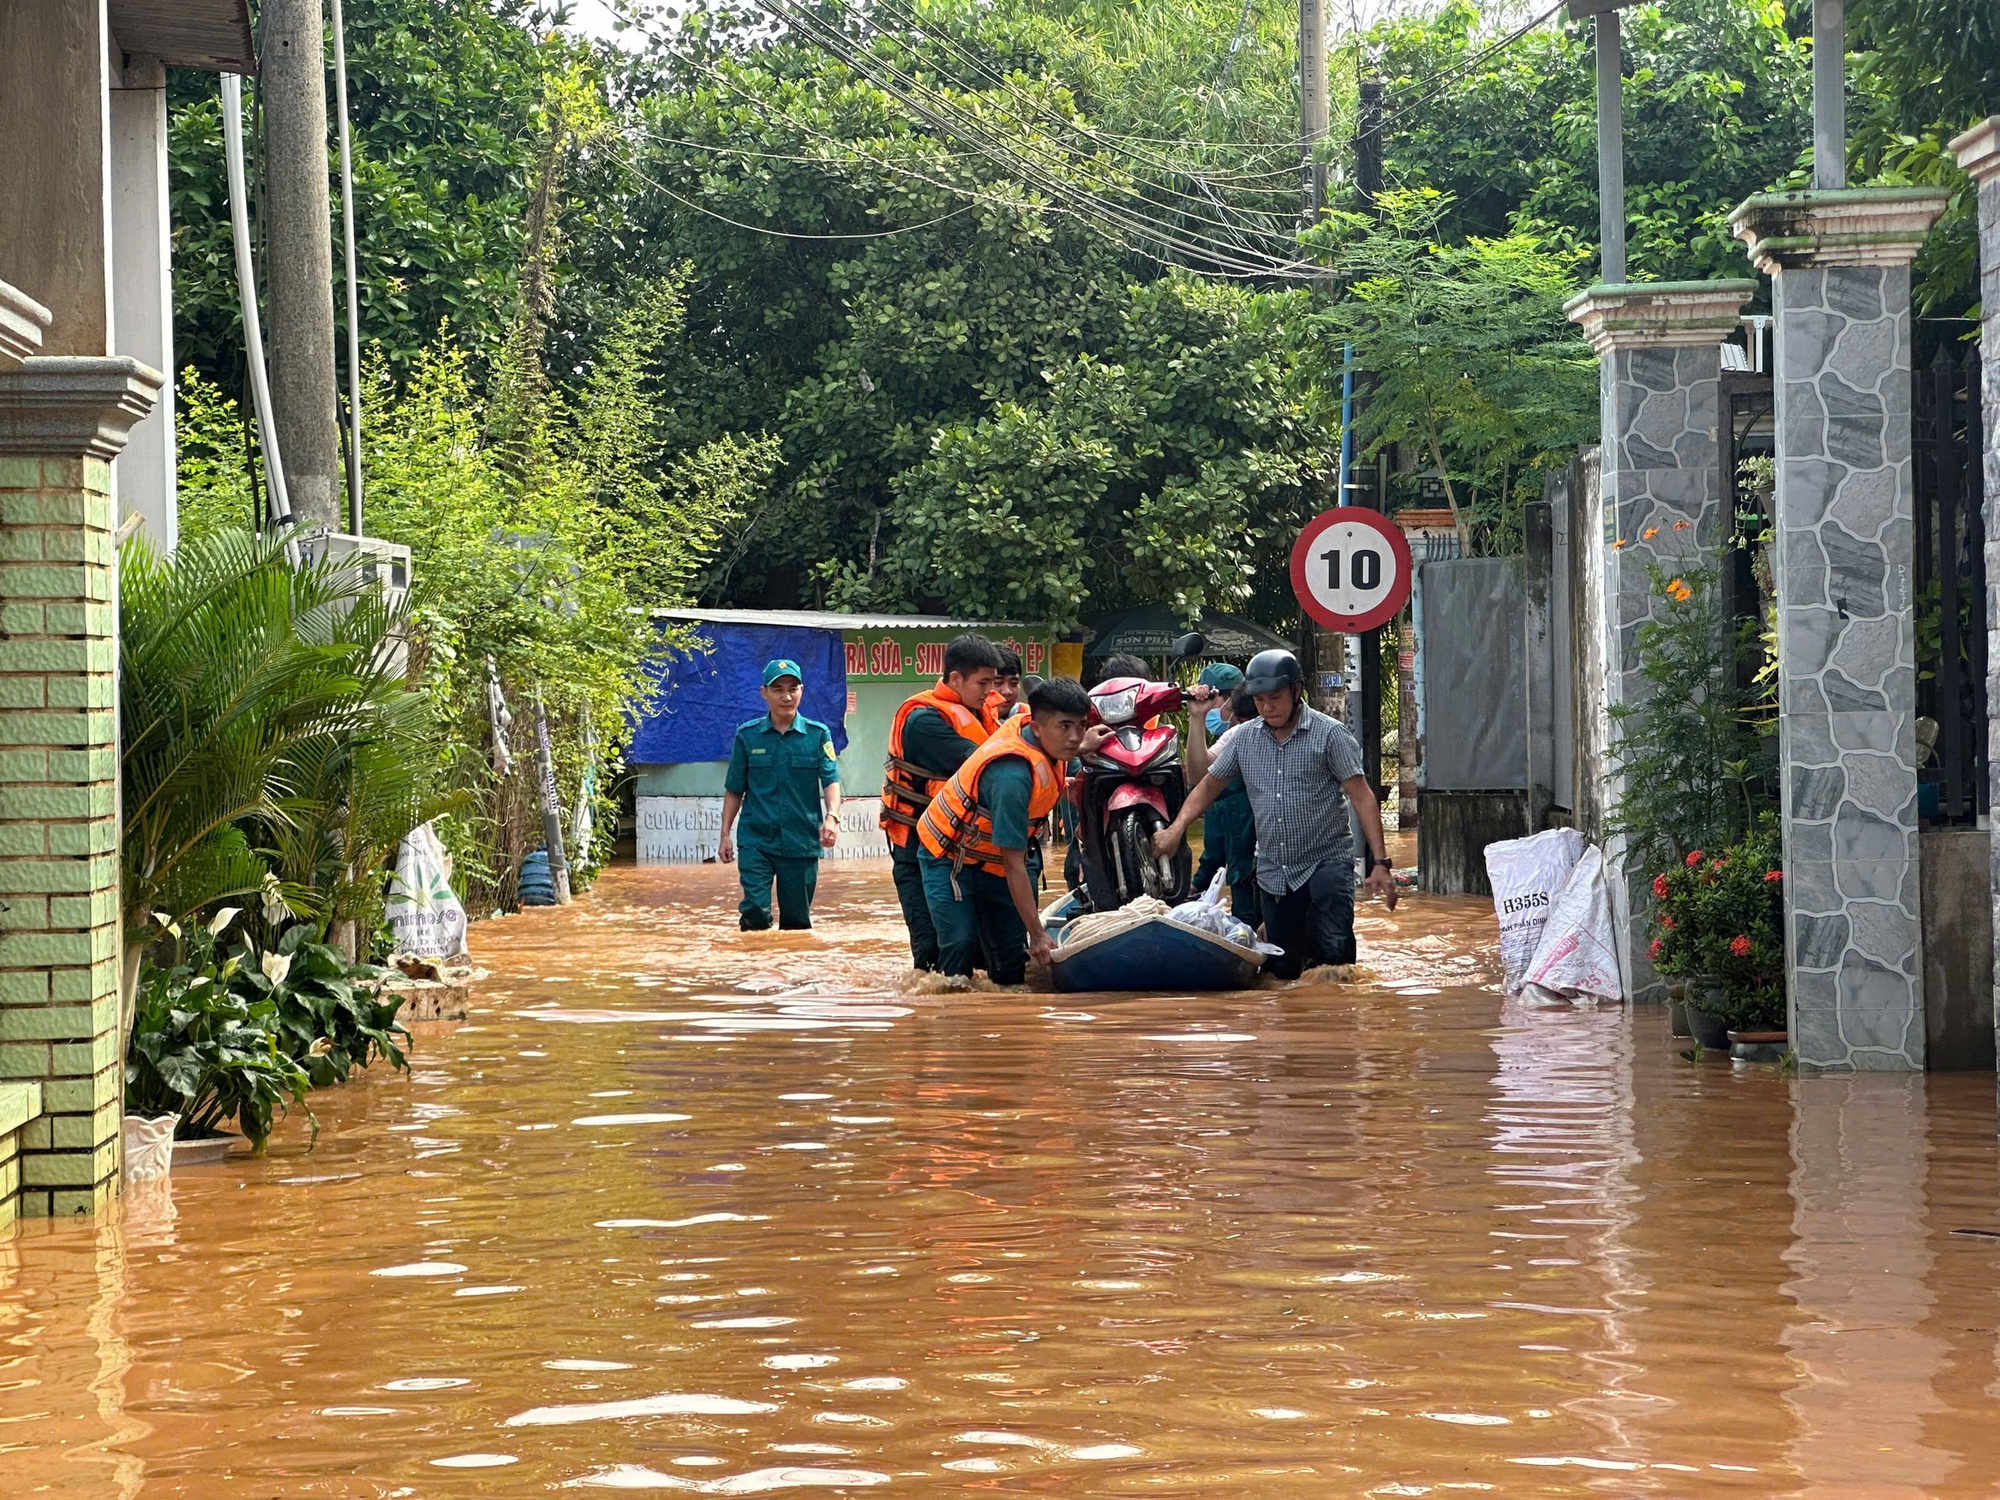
[[385, 565]]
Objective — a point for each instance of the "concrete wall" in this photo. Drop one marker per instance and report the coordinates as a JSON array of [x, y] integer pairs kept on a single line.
[[55, 213], [1457, 827], [142, 299], [686, 830], [84, 226], [1957, 949]]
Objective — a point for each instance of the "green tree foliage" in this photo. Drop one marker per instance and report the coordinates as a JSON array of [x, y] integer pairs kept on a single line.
[[447, 113], [550, 572], [985, 402], [1924, 70], [1717, 105], [1470, 359]]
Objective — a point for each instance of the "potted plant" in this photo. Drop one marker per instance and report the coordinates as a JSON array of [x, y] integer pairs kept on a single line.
[[1718, 920], [205, 1052]]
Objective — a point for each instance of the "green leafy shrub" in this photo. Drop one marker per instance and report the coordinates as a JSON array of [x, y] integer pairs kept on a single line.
[[270, 748], [232, 1039], [1718, 915], [330, 1017], [1691, 754], [204, 1050]]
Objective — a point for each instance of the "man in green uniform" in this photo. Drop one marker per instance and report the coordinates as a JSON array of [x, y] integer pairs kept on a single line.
[[1228, 832], [785, 783]]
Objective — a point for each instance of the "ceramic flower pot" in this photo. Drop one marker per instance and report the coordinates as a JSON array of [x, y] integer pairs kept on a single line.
[[203, 1149], [1758, 1046], [1709, 1029]]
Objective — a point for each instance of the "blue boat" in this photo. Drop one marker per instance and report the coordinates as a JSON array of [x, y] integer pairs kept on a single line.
[[1155, 955]]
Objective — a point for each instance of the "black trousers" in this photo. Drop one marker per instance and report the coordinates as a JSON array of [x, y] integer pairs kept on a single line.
[[1313, 924], [909, 878]]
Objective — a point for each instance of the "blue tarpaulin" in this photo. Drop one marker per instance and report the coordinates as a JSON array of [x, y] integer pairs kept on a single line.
[[705, 697]]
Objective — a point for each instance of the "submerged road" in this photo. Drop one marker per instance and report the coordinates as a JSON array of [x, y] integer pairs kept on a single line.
[[682, 1211]]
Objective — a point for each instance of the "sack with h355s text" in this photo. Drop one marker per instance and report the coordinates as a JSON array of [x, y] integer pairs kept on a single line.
[[1525, 875]]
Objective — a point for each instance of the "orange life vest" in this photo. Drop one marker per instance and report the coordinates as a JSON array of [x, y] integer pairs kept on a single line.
[[957, 826], [992, 715], [907, 789]]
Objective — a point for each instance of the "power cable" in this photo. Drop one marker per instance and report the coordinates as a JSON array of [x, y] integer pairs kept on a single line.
[[950, 119], [948, 116], [1439, 82], [873, 234]]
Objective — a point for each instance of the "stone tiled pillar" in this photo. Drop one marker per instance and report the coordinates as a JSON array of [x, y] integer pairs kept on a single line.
[[61, 423], [1978, 152], [1660, 383], [1840, 264]]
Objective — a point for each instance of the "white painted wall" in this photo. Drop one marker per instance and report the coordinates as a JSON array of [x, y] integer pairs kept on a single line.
[[142, 288], [685, 830]]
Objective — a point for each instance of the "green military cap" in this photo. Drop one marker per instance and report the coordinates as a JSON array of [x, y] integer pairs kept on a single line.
[[1221, 675], [781, 667]]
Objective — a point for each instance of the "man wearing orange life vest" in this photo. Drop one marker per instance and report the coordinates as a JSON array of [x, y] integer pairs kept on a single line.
[[976, 832], [930, 737], [1005, 699]]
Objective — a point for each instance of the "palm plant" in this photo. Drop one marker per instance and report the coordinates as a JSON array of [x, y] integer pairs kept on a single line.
[[259, 708]]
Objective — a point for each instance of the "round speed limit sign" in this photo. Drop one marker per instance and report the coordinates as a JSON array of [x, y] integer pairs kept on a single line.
[[1351, 569]]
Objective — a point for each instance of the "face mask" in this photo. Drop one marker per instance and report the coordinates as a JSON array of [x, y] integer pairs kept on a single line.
[[1215, 724]]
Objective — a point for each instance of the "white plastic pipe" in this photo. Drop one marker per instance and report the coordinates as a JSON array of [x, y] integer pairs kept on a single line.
[[353, 288], [246, 293]]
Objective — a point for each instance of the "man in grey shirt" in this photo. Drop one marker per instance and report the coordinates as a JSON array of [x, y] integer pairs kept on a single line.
[[1300, 768]]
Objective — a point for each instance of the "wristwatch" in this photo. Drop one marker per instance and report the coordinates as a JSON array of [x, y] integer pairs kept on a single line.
[[1385, 863]]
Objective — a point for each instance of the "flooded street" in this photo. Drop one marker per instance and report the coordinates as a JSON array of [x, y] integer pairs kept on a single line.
[[685, 1211]]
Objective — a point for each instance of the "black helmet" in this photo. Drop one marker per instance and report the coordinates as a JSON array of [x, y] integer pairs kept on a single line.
[[1270, 670]]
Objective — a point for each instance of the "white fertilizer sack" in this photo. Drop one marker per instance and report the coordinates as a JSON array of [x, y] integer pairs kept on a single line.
[[1525, 875], [1578, 955]]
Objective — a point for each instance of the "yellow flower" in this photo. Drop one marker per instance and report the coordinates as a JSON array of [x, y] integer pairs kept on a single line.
[[1649, 533], [1617, 544], [1682, 525]]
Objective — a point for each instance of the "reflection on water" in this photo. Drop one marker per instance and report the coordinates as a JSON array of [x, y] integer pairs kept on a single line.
[[687, 1211]]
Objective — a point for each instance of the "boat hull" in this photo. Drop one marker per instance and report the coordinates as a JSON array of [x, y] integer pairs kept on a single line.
[[1155, 955]]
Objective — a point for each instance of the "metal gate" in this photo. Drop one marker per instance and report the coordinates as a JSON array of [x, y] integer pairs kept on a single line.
[[1950, 585]]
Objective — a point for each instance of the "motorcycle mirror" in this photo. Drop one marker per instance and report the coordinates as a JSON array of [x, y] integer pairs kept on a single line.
[[1189, 646], [1029, 683]]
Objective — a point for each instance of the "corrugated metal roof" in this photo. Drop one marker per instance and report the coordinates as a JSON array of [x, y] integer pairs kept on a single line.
[[817, 619], [213, 35]]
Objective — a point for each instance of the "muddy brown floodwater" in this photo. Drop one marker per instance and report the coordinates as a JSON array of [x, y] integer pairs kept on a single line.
[[684, 1211]]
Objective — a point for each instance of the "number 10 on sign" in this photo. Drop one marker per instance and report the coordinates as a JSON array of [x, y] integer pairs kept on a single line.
[[1351, 569]]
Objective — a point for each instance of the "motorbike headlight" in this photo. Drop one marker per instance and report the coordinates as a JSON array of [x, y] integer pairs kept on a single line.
[[1117, 708]]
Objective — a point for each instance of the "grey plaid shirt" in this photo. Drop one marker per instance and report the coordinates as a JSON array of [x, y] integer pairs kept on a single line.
[[1295, 793]]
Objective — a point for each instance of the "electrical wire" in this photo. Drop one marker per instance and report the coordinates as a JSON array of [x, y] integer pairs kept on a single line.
[[873, 234], [947, 116], [1437, 83], [1092, 212], [841, 47], [981, 66]]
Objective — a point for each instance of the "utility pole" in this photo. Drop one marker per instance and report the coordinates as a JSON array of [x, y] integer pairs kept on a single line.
[[1610, 135], [1829, 94], [1368, 179], [299, 260], [1314, 111], [1329, 647]]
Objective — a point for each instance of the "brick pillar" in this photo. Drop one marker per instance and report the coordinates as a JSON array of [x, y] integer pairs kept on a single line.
[[1978, 152], [1659, 349], [62, 421], [1847, 681]]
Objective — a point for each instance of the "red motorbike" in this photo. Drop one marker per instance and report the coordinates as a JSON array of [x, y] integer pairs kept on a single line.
[[1132, 786]]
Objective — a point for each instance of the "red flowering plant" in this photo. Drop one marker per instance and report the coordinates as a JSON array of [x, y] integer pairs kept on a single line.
[[1718, 916]]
